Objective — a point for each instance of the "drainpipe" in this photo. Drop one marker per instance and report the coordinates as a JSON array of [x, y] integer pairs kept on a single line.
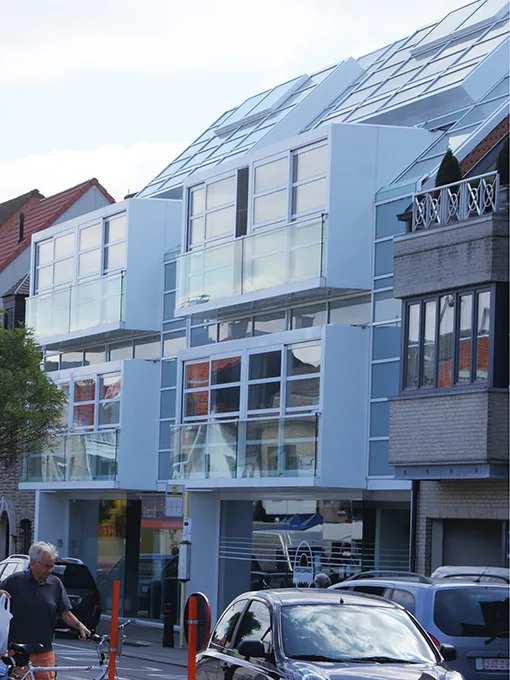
[[415, 490]]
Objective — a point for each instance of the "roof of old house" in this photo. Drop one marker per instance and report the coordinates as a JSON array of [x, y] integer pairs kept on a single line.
[[21, 287], [39, 213], [14, 205]]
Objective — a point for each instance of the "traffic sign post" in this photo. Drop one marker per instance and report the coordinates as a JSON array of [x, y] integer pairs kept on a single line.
[[197, 620]]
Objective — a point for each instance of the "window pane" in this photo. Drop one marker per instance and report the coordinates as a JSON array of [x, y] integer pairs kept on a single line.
[[84, 390], [167, 406], [378, 459], [169, 374], [109, 413], [309, 196], [303, 360], [271, 175], [386, 341], [197, 201], [109, 386], [203, 335], [386, 307], [225, 371], [165, 434], [220, 222], [64, 245], [44, 277], [274, 322], [429, 345], [122, 350], [303, 392], [232, 330], [383, 258], [385, 379], [63, 271], [266, 365], [197, 404], [197, 375], [380, 419], [71, 360], [148, 349], [83, 416], [219, 193], [264, 396], [173, 343], [306, 317], [51, 362], [89, 263], [483, 330], [270, 207], [387, 223], [168, 306], [115, 256], [446, 319], [96, 355], [310, 163], [90, 237], [116, 229], [197, 231], [225, 400], [256, 625], [387, 282], [413, 345], [465, 330], [353, 311], [44, 252], [170, 275]]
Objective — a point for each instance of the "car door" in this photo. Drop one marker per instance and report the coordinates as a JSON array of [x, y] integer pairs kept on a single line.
[[208, 661], [255, 624]]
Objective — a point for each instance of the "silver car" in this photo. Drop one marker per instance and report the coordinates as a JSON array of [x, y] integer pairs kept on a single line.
[[471, 616]]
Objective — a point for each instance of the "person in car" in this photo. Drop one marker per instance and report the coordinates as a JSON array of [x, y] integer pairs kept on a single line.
[[37, 599]]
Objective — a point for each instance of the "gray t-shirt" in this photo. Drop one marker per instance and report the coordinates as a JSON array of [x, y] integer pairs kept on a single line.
[[35, 608]]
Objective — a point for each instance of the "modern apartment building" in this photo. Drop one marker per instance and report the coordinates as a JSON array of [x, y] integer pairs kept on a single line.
[[248, 343]]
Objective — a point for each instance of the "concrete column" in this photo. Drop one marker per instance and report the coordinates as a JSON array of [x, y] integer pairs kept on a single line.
[[234, 574], [52, 520]]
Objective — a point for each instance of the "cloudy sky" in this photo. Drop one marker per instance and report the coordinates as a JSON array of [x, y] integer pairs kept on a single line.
[[114, 89]]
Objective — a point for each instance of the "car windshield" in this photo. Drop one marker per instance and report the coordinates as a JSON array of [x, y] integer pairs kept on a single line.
[[340, 632], [471, 612]]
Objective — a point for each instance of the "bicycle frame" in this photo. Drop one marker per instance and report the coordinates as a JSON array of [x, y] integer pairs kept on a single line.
[[29, 675]]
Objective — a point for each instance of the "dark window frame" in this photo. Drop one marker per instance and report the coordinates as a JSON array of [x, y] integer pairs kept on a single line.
[[456, 294]]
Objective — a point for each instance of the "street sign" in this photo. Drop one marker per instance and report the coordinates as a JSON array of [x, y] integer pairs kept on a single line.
[[202, 620], [303, 565], [173, 500]]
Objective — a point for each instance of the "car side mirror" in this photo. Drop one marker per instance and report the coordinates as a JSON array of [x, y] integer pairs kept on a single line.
[[448, 652], [252, 648]]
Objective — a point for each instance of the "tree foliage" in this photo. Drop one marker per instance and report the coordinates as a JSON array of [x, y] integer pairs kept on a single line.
[[449, 171], [30, 403], [502, 163]]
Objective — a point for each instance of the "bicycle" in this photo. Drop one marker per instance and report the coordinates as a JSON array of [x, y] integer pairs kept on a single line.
[[21, 657]]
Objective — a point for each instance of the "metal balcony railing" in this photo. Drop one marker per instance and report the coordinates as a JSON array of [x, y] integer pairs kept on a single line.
[[266, 259], [78, 307], [91, 456], [456, 202], [259, 447]]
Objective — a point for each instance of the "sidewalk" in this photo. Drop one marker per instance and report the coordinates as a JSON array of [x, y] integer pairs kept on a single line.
[[144, 641]]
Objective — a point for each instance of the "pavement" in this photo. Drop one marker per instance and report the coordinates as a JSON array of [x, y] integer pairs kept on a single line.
[[144, 640]]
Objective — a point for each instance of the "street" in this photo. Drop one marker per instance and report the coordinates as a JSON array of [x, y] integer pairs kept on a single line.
[[72, 652]]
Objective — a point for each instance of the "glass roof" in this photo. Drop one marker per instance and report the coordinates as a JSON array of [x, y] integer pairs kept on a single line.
[[433, 59]]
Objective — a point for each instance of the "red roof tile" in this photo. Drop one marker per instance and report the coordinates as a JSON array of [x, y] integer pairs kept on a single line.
[[15, 205], [40, 213]]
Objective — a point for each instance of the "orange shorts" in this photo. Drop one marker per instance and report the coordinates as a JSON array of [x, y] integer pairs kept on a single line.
[[43, 659]]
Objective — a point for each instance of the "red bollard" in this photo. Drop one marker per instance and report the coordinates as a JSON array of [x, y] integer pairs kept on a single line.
[[192, 636]]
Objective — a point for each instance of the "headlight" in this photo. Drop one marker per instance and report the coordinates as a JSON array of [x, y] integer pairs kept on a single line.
[[453, 675]]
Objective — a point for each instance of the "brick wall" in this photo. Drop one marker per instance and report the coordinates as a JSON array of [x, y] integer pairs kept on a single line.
[[460, 499], [463, 254], [23, 501]]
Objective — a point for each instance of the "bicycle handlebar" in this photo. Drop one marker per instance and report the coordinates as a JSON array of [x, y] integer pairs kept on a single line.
[[101, 638]]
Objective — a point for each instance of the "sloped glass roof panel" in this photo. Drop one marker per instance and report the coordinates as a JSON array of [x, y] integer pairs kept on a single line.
[[487, 10], [450, 23]]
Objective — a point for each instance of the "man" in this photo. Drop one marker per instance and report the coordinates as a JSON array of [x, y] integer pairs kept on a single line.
[[37, 599]]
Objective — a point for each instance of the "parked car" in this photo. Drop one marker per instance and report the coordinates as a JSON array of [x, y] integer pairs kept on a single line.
[[79, 584], [478, 574], [471, 616], [307, 633]]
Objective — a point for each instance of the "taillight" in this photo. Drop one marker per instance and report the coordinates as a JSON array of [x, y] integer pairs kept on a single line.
[[436, 642], [97, 598]]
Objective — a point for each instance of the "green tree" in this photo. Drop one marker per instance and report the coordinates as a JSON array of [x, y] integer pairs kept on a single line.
[[449, 171], [502, 164], [30, 403]]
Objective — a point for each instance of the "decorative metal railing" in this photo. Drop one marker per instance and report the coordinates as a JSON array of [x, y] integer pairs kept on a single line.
[[78, 307], [456, 202], [85, 457], [259, 447]]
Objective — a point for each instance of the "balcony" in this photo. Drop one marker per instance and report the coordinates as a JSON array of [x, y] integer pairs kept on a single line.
[[79, 307], [88, 457], [237, 449], [267, 259]]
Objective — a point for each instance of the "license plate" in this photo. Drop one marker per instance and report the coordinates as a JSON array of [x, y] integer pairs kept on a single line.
[[491, 664]]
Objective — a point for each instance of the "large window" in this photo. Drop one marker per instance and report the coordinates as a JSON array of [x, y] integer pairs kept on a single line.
[[447, 340], [93, 402]]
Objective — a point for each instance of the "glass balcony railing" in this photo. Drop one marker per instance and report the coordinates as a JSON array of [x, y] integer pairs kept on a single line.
[[87, 457], [78, 307], [259, 447], [263, 260]]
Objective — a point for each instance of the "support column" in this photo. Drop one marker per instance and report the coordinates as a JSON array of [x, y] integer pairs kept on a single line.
[[52, 520], [234, 574]]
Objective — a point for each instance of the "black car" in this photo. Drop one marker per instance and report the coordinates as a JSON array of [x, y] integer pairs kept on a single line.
[[78, 582], [320, 634]]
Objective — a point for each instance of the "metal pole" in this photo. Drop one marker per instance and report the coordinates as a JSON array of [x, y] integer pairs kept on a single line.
[[192, 636], [186, 507], [113, 629]]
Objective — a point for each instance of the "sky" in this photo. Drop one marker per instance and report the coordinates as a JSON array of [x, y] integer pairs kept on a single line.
[[115, 89]]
